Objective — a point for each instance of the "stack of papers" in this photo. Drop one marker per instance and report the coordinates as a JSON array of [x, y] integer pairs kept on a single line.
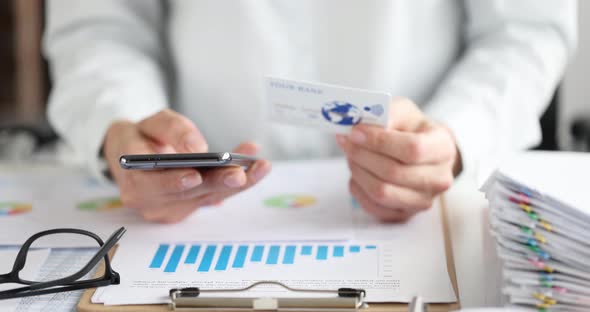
[[540, 216]]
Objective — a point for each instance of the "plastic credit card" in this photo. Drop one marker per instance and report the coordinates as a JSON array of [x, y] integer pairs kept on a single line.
[[324, 106]]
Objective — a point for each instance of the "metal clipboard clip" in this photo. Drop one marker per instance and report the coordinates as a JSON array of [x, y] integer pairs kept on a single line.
[[342, 299]]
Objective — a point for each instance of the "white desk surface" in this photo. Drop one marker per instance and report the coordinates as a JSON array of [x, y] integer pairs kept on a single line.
[[473, 248], [476, 264]]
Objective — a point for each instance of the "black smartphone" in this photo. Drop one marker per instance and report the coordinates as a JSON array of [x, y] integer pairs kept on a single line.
[[196, 160]]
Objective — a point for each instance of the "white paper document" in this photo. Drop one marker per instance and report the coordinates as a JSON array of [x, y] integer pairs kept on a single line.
[[59, 263], [300, 225], [398, 262], [297, 201], [35, 260]]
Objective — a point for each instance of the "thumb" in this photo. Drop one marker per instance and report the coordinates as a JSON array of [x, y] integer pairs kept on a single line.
[[404, 115], [170, 128], [247, 148]]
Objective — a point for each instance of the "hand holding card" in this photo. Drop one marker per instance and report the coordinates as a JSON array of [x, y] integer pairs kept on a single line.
[[397, 171], [398, 158]]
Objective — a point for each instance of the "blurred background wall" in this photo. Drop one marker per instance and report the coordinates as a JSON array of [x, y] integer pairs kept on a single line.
[[24, 82], [575, 98], [23, 73]]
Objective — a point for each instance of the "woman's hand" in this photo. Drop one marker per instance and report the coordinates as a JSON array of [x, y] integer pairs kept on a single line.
[[397, 171], [170, 195]]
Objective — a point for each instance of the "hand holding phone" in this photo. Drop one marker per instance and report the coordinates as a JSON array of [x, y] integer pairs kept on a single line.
[[170, 195]]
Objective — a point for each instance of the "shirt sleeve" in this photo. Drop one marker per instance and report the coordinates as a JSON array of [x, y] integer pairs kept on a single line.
[[106, 64], [514, 57]]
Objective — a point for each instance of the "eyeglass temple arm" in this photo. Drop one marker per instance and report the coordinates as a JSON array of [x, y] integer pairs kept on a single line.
[[5, 278], [28, 291]]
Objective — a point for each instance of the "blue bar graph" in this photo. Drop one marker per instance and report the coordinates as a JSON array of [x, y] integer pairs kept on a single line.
[[174, 259], [338, 251], [159, 256], [240, 258], [207, 258], [322, 253], [193, 253], [306, 250], [257, 253], [223, 258], [289, 256], [273, 254]]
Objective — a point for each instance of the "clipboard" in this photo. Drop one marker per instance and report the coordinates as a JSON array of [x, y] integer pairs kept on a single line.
[[85, 304]]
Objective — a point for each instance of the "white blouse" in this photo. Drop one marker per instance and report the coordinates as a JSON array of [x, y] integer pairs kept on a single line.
[[486, 69]]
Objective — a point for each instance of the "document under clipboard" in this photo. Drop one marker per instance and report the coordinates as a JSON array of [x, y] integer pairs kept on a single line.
[[299, 304]]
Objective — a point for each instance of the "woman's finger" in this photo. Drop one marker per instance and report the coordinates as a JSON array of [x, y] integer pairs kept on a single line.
[[382, 213]]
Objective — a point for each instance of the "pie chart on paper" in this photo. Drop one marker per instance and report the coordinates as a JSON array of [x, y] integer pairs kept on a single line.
[[14, 208], [101, 204], [290, 201]]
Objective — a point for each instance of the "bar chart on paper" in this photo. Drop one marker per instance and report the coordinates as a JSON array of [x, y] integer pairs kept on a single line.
[[393, 266], [157, 267], [267, 258]]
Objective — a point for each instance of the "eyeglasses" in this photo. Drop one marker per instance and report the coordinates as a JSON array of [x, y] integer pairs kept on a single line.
[[67, 283]]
